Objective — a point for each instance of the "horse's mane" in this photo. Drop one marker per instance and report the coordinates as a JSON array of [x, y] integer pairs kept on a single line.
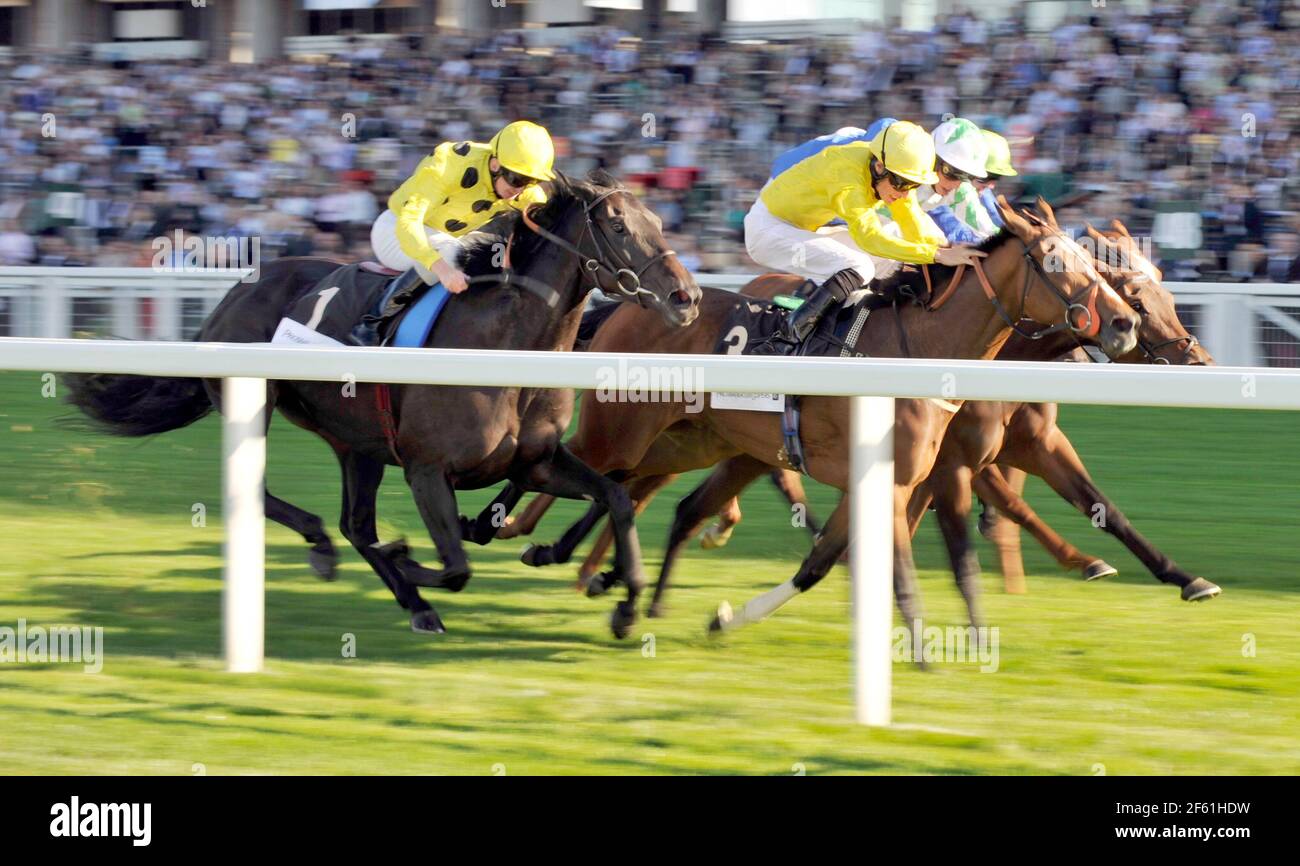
[[480, 251], [908, 283]]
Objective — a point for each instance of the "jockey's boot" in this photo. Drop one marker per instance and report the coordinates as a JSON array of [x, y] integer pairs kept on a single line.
[[404, 289], [796, 326]]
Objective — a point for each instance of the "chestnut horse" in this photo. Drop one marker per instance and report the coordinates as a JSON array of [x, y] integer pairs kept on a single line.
[[648, 439]]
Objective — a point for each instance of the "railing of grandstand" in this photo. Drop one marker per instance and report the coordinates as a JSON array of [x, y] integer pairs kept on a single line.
[[1242, 324]]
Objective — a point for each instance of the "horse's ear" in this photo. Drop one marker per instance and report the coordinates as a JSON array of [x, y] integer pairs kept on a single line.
[[1046, 210], [1017, 223], [1121, 228]]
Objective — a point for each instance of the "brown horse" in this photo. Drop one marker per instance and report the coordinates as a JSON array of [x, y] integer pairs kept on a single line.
[[1025, 437], [648, 439], [983, 428]]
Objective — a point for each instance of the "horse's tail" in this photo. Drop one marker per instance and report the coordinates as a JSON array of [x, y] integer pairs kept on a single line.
[[137, 405], [591, 321]]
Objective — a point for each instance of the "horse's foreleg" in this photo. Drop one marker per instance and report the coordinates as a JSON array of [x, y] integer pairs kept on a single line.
[[1056, 462], [642, 491], [322, 557], [917, 504], [791, 486], [567, 476], [991, 487], [361, 478], [1001, 531], [435, 499], [492, 518], [832, 542], [952, 500], [526, 522], [561, 551], [731, 477], [717, 535]]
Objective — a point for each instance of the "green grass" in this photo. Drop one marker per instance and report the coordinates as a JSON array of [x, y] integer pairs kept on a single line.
[[97, 531]]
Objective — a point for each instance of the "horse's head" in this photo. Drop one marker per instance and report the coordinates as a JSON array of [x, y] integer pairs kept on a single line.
[[1162, 339], [1062, 288], [621, 248]]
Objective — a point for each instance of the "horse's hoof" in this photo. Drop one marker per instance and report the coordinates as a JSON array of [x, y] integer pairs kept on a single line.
[[427, 622], [1098, 569], [620, 621], [721, 619], [598, 585], [529, 555], [655, 611], [324, 561], [713, 538], [1200, 590]]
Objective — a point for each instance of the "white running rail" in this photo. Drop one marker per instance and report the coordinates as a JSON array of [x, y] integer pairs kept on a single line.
[[245, 369]]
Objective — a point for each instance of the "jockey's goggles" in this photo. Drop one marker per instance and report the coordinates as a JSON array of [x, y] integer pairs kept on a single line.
[[515, 179], [952, 173]]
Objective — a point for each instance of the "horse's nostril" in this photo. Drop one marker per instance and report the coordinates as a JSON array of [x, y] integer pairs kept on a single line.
[[1122, 325], [681, 298]]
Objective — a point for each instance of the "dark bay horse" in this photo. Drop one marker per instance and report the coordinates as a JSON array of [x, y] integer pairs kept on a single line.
[[968, 320], [588, 234]]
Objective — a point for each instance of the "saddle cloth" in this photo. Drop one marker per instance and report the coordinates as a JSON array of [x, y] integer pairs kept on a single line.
[[327, 314]]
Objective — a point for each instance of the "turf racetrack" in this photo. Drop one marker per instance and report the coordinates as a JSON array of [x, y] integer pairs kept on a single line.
[[1119, 676]]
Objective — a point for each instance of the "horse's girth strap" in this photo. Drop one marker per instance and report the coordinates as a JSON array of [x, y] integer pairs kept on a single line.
[[387, 420]]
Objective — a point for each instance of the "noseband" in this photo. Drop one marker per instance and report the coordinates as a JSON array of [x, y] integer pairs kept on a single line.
[[627, 281]]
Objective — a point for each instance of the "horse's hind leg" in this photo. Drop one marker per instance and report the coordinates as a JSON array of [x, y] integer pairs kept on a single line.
[[832, 542], [361, 478], [722, 486], [322, 557], [1002, 532], [562, 551]]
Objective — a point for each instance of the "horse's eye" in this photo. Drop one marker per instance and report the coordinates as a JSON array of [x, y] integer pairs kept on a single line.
[[619, 228]]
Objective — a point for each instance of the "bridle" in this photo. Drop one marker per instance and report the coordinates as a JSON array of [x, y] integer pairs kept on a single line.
[[1092, 322], [627, 279], [1148, 349]]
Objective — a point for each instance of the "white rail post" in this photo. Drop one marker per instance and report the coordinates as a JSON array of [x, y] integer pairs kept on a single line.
[[243, 482], [871, 553]]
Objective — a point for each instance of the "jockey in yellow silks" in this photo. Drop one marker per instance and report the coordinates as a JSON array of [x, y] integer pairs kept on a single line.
[[455, 190], [787, 229]]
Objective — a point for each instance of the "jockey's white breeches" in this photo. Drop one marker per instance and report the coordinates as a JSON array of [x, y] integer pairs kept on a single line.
[[388, 252], [817, 256]]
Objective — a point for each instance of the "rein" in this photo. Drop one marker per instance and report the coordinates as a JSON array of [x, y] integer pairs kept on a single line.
[[1092, 322], [627, 282]]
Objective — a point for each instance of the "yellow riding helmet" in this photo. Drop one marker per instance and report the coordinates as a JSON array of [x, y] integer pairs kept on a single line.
[[907, 150], [526, 148], [999, 161]]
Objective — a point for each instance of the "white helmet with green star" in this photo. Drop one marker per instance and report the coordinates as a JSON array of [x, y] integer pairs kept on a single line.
[[960, 143]]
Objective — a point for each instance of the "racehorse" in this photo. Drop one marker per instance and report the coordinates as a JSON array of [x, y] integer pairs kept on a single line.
[[1027, 431], [968, 318], [589, 234], [1024, 437]]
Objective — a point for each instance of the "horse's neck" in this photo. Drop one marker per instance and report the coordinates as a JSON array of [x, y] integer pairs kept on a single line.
[[967, 326], [541, 308], [1049, 348]]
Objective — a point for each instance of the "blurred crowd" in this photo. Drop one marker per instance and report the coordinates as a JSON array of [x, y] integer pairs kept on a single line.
[[1183, 122]]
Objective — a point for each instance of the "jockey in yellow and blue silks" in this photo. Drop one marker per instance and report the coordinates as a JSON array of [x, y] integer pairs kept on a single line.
[[845, 176], [455, 190]]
